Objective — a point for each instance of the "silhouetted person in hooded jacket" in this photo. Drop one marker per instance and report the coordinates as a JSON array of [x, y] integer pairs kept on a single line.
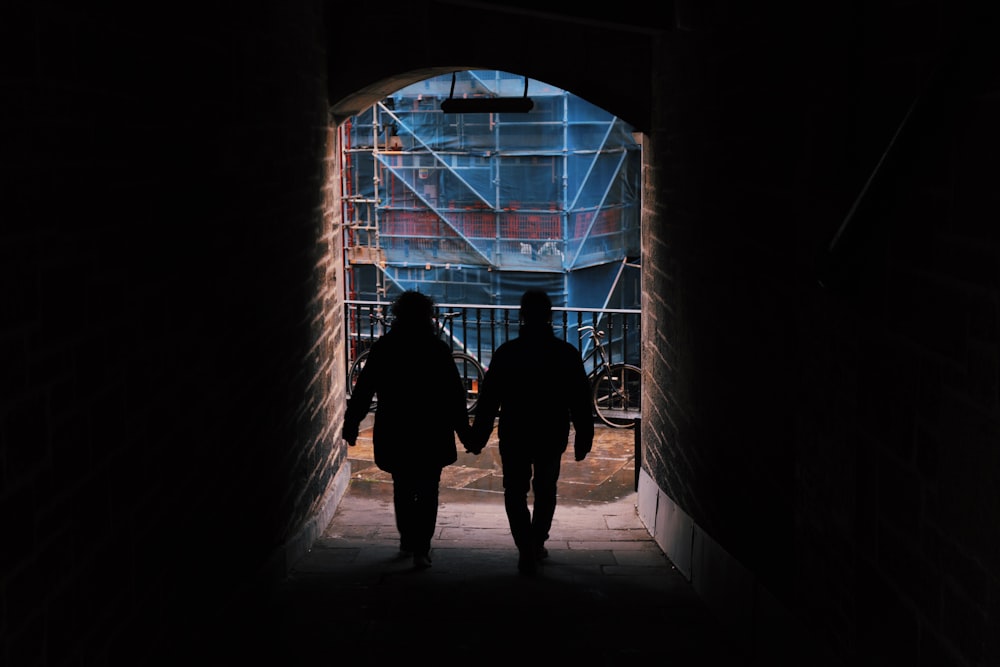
[[538, 385], [421, 407]]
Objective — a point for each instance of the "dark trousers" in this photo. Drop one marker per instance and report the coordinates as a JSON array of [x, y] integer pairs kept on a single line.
[[415, 500], [524, 471]]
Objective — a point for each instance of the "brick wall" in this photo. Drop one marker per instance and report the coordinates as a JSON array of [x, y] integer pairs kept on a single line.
[[166, 420], [838, 441]]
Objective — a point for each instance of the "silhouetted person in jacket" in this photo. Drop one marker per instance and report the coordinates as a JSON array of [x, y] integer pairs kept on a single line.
[[538, 385], [421, 407]]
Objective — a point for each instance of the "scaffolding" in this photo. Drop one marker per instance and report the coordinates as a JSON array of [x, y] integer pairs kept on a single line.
[[476, 208]]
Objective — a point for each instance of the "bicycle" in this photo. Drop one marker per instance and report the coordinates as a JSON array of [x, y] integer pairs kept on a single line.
[[469, 368], [616, 387]]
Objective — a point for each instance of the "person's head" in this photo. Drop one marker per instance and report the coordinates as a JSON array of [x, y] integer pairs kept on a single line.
[[536, 307], [413, 310]]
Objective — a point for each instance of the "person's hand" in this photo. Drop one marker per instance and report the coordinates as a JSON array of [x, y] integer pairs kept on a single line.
[[351, 436], [473, 445], [474, 439], [581, 449]]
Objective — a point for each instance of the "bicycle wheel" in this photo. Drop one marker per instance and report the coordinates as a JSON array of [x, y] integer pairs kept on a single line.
[[471, 373], [352, 376], [618, 395]]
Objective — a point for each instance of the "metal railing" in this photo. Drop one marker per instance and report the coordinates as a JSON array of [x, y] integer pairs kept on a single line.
[[479, 329]]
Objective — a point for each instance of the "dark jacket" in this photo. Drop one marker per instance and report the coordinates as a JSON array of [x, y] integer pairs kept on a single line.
[[538, 385], [421, 401]]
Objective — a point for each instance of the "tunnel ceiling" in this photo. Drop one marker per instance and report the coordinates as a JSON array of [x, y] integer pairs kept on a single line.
[[627, 13], [603, 57]]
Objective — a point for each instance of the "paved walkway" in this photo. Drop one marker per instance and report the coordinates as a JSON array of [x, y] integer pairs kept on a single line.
[[606, 595], [607, 474]]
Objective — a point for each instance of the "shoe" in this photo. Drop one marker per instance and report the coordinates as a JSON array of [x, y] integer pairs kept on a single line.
[[541, 553], [527, 564], [421, 561]]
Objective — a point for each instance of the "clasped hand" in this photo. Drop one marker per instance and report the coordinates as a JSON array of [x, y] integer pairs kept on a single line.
[[473, 445]]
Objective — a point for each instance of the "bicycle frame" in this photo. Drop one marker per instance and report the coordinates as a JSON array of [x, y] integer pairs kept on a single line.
[[616, 388], [598, 354]]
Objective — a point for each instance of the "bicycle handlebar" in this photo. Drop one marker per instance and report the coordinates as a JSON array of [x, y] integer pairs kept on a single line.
[[593, 331]]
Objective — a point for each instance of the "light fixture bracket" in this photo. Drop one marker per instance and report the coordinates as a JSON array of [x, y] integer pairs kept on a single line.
[[522, 104]]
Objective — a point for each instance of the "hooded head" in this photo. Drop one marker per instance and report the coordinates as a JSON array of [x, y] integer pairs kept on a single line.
[[536, 308], [413, 311]]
